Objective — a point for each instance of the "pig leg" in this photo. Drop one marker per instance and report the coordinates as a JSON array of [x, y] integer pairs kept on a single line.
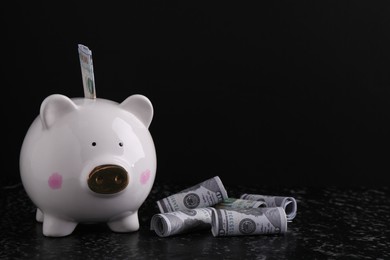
[[39, 215], [126, 222], [56, 227]]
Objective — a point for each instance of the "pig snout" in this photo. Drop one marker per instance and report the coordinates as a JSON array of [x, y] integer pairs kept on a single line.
[[108, 179]]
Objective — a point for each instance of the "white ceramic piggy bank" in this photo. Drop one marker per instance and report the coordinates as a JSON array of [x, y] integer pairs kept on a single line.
[[87, 161]]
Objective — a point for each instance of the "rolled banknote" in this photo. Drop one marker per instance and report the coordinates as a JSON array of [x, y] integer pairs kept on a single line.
[[88, 77], [202, 195], [181, 221], [240, 203], [251, 221], [289, 204]]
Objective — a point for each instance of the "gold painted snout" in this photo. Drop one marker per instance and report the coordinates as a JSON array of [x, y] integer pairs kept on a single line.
[[108, 179]]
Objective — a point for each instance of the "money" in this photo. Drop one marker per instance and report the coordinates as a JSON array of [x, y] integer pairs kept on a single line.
[[251, 221], [289, 204], [85, 55], [181, 221], [240, 203], [202, 195]]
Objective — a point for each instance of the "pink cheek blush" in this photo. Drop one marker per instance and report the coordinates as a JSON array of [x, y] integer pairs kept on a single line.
[[55, 181], [145, 177]]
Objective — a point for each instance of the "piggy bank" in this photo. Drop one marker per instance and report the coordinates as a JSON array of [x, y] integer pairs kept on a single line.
[[87, 161]]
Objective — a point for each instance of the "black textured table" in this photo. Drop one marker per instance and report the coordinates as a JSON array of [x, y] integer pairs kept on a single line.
[[331, 223]]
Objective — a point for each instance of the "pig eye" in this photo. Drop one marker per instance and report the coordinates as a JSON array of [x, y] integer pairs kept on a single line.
[[120, 144], [93, 143]]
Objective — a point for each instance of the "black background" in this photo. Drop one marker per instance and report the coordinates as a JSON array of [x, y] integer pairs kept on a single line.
[[280, 93]]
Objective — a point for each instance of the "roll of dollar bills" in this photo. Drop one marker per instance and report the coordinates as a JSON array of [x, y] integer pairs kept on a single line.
[[251, 221], [205, 194], [289, 204], [240, 203], [181, 221]]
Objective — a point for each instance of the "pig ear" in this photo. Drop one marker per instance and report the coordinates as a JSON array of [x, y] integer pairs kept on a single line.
[[140, 106], [54, 107]]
